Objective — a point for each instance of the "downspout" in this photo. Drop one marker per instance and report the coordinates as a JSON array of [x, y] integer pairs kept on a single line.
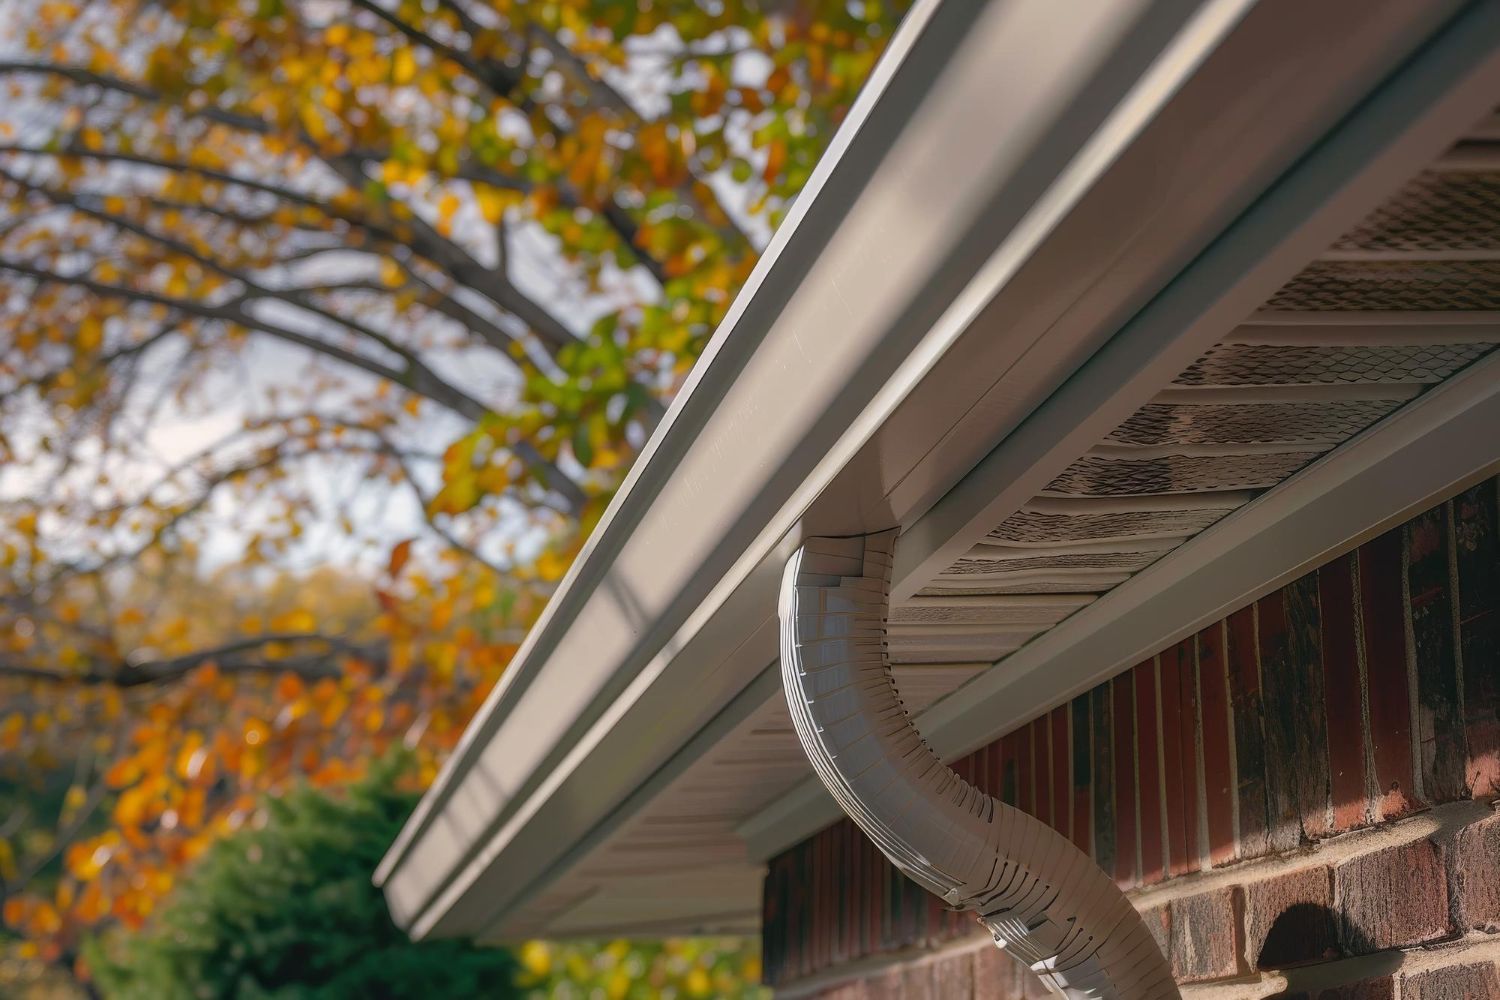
[[1044, 900]]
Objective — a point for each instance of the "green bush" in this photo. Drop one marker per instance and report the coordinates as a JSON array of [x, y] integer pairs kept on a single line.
[[288, 911]]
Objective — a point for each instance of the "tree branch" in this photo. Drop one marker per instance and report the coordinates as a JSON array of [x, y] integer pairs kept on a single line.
[[415, 381], [132, 88], [228, 657], [498, 78]]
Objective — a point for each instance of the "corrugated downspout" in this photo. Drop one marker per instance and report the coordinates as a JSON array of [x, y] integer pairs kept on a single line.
[[1045, 901]]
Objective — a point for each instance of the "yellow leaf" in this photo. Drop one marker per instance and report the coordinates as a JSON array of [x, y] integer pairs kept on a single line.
[[391, 274], [551, 565], [90, 334], [312, 121], [493, 202], [300, 620], [403, 67], [536, 957]]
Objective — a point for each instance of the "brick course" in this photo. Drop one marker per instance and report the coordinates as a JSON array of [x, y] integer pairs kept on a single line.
[[1475, 873], [1394, 898], [1479, 981], [1289, 919], [1205, 939]]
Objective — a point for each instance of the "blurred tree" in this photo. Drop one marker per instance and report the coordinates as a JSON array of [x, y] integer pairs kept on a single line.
[[288, 911], [723, 968], [397, 284]]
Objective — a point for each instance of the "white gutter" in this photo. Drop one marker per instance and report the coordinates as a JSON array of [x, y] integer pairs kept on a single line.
[[941, 276]]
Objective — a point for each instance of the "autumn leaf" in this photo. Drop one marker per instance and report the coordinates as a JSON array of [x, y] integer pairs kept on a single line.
[[400, 553]]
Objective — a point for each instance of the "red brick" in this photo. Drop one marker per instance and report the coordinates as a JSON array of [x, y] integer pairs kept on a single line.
[[1282, 709], [1205, 940], [1392, 898], [886, 985], [1383, 618], [1472, 875], [1158, 921], [1062, 785], [1344, 694], [1081, 782], [1218, 772], [1310, 757], [1127, 833], [953, 976], [1243, 658], [1179, 736], [917, 984], [1480, 981], [1382, 988], [1000, 976], [1289, 919], [1102, 771], [1021, 770], [1440, 731], [1034, 768], [994, 975], [1477, 550], [1148, 743], [992, 772]]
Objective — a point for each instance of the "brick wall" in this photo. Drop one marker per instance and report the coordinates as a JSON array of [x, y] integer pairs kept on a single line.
[[1302, 786]]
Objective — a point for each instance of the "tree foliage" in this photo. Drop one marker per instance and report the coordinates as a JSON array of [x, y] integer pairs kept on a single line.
[[396, 285], [685, 969], [288, 911]]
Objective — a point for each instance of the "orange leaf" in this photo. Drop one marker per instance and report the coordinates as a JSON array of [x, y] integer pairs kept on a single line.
[[45, 919], [15, 911], [288, 687], [399, 555], [122, 773], [92, 906], [775, 160]]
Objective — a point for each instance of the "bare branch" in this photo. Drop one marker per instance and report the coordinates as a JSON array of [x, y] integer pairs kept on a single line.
[[140, 91], [232, 657], [498, 78]]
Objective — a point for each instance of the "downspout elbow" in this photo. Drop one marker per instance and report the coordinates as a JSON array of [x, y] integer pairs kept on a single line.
[[1043, 899]]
